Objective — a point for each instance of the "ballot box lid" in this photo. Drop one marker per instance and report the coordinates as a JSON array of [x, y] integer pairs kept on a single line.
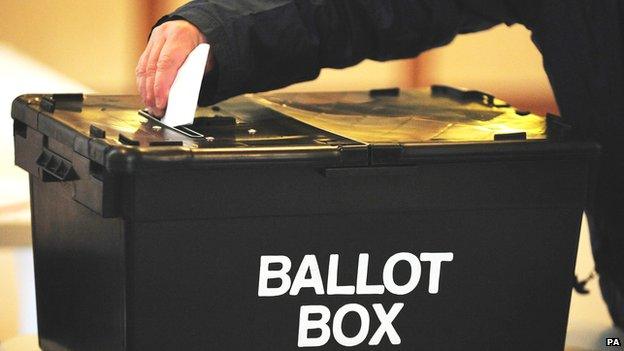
[[338, 129]]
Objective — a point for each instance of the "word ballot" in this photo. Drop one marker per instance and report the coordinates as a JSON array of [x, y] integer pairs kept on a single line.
[[275, 279]]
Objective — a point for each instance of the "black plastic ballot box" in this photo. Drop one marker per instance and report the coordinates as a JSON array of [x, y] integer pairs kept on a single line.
[[438, 219]]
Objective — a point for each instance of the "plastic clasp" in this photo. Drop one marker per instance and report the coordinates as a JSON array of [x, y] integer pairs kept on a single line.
[[464, 95]]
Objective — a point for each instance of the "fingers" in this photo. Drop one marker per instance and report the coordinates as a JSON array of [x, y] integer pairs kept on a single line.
[[171, 58], [150, 70], [165, 53], [140, 70], [155, 111]]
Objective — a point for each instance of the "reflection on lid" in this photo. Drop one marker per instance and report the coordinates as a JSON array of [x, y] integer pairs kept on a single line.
[[412, 117]]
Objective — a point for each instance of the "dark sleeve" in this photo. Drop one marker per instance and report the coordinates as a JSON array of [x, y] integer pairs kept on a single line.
[[582, 44], [261, 45]]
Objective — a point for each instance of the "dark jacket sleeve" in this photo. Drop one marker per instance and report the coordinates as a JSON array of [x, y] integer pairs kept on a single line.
[[261, 45]]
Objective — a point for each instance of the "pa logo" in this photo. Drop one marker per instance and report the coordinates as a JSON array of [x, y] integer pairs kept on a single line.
[[613, 342]]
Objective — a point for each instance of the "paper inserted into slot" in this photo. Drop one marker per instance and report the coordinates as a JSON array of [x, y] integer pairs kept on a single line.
[[184, 92]]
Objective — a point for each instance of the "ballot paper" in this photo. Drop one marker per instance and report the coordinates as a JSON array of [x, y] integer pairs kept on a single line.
[[184, 92]]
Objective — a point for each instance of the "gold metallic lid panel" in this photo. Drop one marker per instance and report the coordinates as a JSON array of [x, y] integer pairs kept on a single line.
[[411, 117]]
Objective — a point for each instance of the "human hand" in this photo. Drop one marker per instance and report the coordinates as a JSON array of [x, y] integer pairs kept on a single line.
[[167, 49]]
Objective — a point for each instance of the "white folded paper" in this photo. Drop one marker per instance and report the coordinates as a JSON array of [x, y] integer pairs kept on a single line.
[[184, 92]]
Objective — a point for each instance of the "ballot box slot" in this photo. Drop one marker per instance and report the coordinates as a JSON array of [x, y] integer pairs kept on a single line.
[[202, 127], [188, 132], [180, 129]]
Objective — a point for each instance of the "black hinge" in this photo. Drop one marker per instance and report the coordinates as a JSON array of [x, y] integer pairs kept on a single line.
[[387, 154], [354, 155]]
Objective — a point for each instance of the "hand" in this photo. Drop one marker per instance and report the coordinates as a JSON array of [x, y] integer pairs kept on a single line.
[[167, 49]]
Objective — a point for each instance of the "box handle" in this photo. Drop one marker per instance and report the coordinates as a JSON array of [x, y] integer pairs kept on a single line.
[[55, 168]]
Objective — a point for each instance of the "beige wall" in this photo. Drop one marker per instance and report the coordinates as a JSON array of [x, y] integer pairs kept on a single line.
[[502, 61], [98, 43], [8, 295], [95, 42], [163, 7], [366, 75]]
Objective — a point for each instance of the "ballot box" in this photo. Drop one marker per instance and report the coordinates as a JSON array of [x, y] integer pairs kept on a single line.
[[437, 219]]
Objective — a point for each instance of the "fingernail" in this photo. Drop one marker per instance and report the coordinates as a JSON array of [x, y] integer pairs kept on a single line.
[[158, 112]]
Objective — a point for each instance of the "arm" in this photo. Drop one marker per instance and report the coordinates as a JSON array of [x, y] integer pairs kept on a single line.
[[263, 45]]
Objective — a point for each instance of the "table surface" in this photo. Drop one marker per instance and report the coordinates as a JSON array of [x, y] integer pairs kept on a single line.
[[588, 326]]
